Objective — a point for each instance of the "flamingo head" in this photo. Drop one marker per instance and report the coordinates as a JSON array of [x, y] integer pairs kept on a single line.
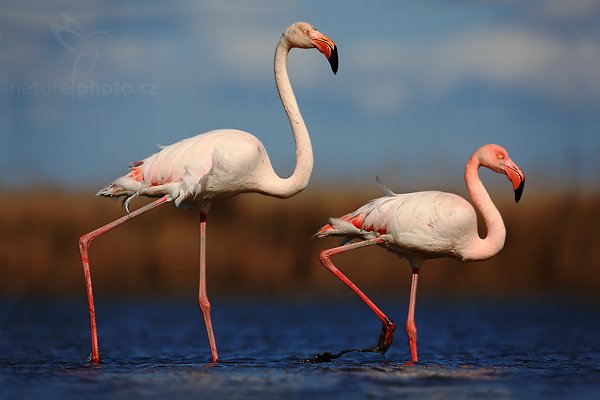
[[496, 158], [303, 35]]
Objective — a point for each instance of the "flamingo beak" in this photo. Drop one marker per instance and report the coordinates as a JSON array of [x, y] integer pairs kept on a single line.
[[516, 176], [327, 47]]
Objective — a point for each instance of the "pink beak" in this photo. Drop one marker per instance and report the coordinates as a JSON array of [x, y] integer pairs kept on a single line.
[[327, 47], [516, 176]]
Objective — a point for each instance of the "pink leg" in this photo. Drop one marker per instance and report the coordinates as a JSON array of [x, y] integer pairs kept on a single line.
[[387, 332], [202, 297], [84, 244], [411, 328]]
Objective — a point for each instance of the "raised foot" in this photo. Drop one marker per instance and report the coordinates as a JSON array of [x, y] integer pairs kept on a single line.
[[385, 338]]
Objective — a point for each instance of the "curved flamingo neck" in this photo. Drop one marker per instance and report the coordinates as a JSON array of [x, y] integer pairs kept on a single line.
[[286, 187], [483, 248]]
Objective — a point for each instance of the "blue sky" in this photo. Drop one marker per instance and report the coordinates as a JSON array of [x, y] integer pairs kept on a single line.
[[87, 87]]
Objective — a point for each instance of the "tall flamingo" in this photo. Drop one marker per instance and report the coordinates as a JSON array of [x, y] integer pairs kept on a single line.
[[216, 165], [423, 225]]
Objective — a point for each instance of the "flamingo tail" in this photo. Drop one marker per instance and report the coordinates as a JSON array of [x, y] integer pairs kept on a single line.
[[344, 226], [386, 190]]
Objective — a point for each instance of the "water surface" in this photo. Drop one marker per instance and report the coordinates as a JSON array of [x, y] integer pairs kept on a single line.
[[541, 349]]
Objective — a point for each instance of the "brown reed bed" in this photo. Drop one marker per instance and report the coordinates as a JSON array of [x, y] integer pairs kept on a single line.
[[262, 246]]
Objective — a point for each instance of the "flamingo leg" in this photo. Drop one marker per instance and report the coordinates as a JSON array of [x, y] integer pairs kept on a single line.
[[84, 245], [387, 331], [202, 296], [411, 328]]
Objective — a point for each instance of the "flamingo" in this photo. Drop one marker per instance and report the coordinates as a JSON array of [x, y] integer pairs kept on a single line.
[[423, 225], [215, 165]]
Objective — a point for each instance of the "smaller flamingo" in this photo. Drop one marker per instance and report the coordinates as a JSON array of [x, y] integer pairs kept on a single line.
[[423, 225]]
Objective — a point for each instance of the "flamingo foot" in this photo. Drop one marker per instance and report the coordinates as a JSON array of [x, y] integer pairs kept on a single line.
[[91, 359], [385, 338]]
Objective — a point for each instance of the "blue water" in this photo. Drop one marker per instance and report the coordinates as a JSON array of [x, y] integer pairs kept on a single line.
[[471, 349]]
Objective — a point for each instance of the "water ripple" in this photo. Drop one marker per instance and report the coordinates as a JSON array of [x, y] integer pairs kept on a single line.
[[158, 351]]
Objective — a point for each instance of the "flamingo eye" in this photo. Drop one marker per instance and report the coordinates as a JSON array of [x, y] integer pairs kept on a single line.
[[501, 156]]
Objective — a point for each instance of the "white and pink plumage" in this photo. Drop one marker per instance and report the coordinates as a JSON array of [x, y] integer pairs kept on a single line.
[[215, 165], [423, 225]]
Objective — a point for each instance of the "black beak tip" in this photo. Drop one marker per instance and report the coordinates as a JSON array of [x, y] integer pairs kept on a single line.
[[519, 191], [333, 59]]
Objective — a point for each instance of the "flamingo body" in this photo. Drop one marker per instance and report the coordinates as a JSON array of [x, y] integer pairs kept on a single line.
[[423, 225], [212, 165]]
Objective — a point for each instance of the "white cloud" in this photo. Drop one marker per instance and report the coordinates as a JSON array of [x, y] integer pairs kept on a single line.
[[246, 52], [571, 9], [505, 57], [381, 98], [242, 44]]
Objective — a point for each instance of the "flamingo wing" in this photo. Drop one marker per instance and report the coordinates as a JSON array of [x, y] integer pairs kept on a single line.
[[182, 170], [432, 223], [425, 223], [368, 221]]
